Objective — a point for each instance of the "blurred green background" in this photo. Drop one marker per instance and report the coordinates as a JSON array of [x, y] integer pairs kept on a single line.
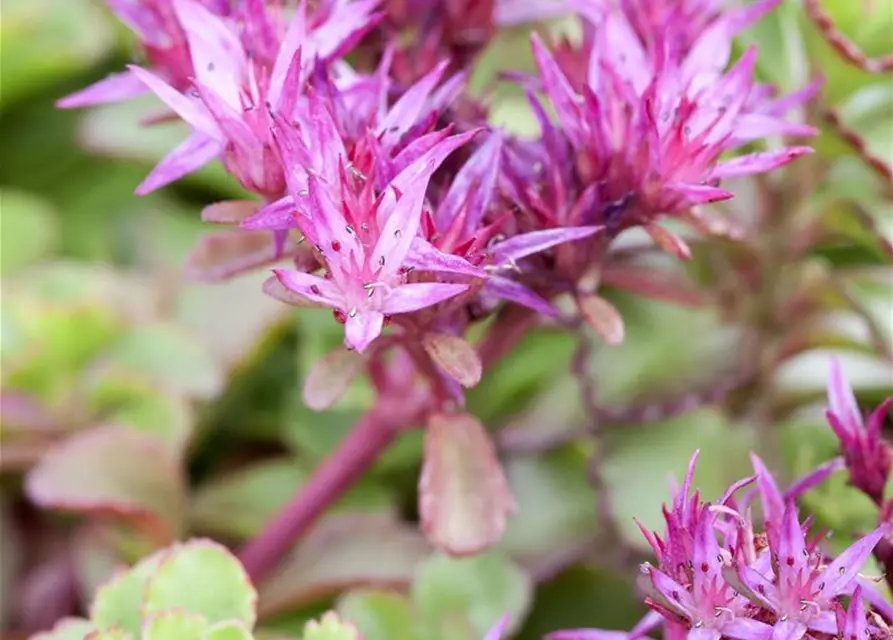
[[100, 327]]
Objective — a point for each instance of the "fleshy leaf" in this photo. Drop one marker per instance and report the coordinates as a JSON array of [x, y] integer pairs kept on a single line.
[[556, 506], [331, 376], [480, 589], [117, 471], [229, 630], [603, 317], [331, 627], [204, 578], [229, 211], [464, 499], [117, 603], [67, 629], [380, 615], [455, 356], [342, 551], [222, 254], [174, 625], [168, 354]]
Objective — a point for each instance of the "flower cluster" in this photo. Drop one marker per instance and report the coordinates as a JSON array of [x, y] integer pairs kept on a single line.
[[717, 576], [414, 210]]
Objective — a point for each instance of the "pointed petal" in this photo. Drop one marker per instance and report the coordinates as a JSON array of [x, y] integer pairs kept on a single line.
[[218, 59], [814, 478], [276, 215], [400, 229], [758, 162], [525, 244], [700, 193], [308, 285], [479, 173], [671, 594], [191, 111], [423, 168], [496, 632], [424, 256], [838, 575], [773, 503], [746, 629], [229, 121], [561, 95], [788, 630], [362, 328], [790, 548], [118, 86], [193, 153], [418, 295], [409, 107], [841, 400], [512, 291], [289, 52]]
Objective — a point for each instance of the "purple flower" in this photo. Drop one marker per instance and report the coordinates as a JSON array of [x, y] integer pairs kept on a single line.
[[498, 629], [164, 42], [363, 240], [235, 91], [798, 587], [866, 454]]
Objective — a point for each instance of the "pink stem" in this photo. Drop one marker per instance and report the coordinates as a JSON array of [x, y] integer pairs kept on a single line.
[[352, 459]]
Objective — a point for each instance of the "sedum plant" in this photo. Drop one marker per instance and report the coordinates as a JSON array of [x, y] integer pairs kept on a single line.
[[471, 276]]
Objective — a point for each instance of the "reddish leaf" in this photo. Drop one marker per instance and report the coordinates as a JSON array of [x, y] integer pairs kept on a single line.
[[464, 498], [113, 471], [668, 241], [223, 254], [344, 551], [455, 356], [603, 317], [330, 377], [229, 211]]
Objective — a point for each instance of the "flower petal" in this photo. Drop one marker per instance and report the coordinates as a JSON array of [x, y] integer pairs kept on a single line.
[[525, 244], [279, 214], [118, 86], [512, 291], [758, 162], [418, 295], [424, 256], [838, 575], [841, 400], [362, 327], [312, 287], [194, 152], [191, 111]]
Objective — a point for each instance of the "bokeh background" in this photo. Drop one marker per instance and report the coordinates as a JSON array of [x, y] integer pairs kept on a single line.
[[101, 327]]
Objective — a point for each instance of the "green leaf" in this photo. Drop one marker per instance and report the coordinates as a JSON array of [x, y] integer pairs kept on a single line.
[[204, 578], [67, 629], [29, 230], [229, 630], [556, 505], [117, 471], [642, 461], [135, 400], [166, 353], [174, 625], [48, 40], [238, 503], [380, 615], [330, 627], [344, 550], [478, 590], [118, 603], [109, 634]]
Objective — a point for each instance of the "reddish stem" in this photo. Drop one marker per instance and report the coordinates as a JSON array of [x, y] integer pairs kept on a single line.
[[352, 459], [843, 45]]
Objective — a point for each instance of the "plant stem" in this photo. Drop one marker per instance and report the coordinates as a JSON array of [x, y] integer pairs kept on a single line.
[[352, 459]]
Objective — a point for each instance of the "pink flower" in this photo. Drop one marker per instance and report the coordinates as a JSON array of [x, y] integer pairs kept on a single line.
[[229, 109], [866, 454], [363, 241], [161, 35], [798, 587]]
